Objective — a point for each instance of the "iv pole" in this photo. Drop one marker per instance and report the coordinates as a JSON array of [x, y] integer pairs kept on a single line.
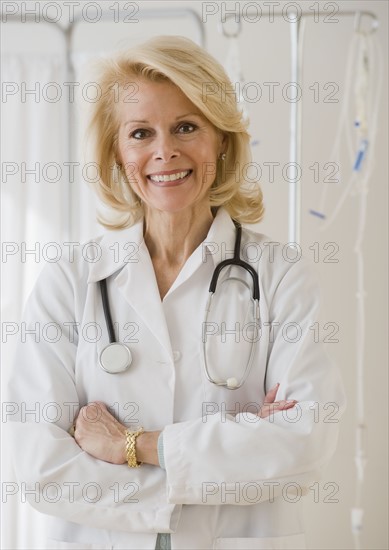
[[295, 156]]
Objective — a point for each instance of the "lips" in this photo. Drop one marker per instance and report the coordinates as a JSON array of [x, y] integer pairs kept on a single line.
[[169, 178]]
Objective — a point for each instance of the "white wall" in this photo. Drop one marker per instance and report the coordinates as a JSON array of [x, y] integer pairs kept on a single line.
[[266, 58]]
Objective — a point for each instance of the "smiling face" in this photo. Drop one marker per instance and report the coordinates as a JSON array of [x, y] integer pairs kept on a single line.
[[167, 147]]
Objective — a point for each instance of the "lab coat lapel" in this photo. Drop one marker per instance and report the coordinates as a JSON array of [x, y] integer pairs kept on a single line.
[[125, 252], [138, 285], [220, 241]]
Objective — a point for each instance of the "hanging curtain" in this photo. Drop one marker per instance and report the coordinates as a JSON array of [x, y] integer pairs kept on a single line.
[[41, 208]]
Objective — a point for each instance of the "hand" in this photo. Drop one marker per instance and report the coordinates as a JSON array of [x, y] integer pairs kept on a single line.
[[271, 406], [98, 433]]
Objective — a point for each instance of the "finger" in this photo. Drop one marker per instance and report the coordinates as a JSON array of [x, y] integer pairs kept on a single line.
[[278, 406], [281, 405], [271, 394], [98, 405]]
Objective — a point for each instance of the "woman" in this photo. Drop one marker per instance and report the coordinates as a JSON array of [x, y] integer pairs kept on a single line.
[[161, 456]]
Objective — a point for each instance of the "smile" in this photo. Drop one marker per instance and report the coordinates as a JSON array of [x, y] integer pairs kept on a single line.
[[174, 177]]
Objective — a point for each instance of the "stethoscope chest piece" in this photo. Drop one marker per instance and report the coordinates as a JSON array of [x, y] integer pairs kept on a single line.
[[115, 358]]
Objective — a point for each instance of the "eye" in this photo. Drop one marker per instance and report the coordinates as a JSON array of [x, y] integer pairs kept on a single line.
[[186, 128], [139, 134]]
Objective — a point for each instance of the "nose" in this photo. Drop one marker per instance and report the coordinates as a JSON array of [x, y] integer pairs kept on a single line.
[[166, 148]]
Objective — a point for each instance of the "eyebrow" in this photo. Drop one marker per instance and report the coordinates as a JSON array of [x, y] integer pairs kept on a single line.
[[147, 122]]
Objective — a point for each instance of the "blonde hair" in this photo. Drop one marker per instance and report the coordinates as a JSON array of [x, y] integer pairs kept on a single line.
[[203, 80]]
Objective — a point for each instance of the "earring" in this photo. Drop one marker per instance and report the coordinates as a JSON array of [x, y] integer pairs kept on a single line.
[[223, 156], [116, 173]]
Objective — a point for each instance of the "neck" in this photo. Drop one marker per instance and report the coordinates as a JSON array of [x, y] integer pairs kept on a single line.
[[172, 237]]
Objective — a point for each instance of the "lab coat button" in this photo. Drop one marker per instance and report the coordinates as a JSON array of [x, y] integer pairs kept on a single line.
[[176, 355]]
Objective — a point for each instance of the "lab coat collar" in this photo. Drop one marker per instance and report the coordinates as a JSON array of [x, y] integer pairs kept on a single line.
[[220, 241], [116, 249]]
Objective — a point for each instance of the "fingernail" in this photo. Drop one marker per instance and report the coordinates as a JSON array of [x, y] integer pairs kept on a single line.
[[276, 386]]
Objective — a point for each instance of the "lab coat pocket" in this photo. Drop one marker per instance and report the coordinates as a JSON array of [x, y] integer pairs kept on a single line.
[[62, 545], [291, 542]]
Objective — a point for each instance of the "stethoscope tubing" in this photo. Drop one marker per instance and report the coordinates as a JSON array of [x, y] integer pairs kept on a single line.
[[107, 310], [237, 261]]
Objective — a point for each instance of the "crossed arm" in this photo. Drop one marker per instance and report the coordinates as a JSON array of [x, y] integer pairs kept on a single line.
[[104, 437]]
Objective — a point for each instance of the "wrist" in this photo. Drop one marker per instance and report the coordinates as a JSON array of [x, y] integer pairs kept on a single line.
[[146, 448]]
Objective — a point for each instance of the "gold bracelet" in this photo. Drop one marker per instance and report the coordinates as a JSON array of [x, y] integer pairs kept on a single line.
[[130, 448]]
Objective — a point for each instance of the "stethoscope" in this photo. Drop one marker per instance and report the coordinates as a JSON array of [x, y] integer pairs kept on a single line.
[[116, 357]]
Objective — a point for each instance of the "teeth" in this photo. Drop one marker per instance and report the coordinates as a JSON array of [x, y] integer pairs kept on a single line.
[[171, 177]]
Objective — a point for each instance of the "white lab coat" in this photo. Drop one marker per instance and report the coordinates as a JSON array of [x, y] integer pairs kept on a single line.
[[232, 480]]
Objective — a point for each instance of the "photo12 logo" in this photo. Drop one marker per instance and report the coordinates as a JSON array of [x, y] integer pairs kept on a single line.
[[70, 12], [256, 12]]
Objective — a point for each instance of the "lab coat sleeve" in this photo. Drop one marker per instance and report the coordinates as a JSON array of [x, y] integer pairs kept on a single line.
[[222, 459], [55, 475]]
